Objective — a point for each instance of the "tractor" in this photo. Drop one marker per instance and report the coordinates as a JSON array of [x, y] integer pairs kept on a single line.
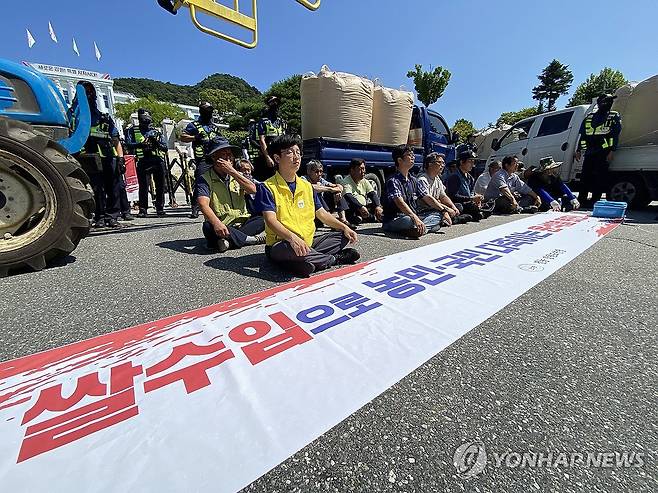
[[46, 200]]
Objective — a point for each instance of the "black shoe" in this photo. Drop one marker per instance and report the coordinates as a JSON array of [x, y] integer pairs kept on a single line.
[[462, 219], [161, 214], [194, 215], [142, 214], [347, 256], [98, 223], [112, 223], [411, 233], [127, 217], [356, 220], [300, 269]]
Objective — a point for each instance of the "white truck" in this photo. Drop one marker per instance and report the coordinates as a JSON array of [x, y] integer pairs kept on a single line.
[[633, 172]]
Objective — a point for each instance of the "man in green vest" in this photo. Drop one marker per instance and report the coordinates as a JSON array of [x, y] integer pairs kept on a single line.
[[222, 191], [289, 207], [599, 136]]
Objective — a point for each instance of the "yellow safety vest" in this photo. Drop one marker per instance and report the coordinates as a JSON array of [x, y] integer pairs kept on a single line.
[[601, 131], [139, 152], [227, 202], [296, 213]]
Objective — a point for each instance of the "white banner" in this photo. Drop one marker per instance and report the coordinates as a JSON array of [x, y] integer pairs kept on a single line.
[[212, 399]]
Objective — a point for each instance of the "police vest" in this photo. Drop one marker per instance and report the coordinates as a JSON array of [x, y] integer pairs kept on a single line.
[[139, 151], [100, 139], [226, 198], [296, 212], [197, 147], [598, 137], [273, 128]]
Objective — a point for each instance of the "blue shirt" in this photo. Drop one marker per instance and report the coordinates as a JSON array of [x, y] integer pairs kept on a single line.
[[459, 186], [409, 189], [264, 200]]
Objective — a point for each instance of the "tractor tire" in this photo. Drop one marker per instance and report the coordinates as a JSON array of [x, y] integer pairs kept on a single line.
[[46, 199]]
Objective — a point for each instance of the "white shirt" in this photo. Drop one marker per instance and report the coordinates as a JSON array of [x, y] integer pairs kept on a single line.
[[482, 182]]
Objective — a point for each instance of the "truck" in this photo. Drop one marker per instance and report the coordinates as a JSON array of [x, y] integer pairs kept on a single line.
[[633, 172], [428, 132]]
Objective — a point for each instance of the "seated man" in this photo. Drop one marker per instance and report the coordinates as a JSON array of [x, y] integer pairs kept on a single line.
[[402, 196], [545, 181], [361, 197], [431, 178], [330, 194], [290, 206], [460, 188], [483, 180], [510, 193], [247, 169], [222, 191]]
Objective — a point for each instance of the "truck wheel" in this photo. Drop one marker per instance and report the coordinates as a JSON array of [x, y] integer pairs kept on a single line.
[[45, 199], [375, 181], [629, 189]]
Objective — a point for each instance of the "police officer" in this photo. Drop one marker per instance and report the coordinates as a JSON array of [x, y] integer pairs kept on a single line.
[[251, 145], [200, 133], [102, 159], [599, 136], [149, 148], [269, 127]]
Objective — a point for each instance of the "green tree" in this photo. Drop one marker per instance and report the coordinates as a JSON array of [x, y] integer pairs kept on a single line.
[[288, 91], [429, 85], [245, 111], [159, 110], [607, 80], [554, 81], [181, 94], [464, 128], [511, 117], [223, 101]]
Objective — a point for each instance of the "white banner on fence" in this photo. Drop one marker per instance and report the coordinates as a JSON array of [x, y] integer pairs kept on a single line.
[[212, 399]]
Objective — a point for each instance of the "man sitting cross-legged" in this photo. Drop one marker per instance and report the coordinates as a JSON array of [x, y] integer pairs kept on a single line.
[[360, 195], [290, 206], [222, 191], [403, 197]]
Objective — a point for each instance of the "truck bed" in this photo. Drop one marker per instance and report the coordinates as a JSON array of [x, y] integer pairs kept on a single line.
[[336, 153]]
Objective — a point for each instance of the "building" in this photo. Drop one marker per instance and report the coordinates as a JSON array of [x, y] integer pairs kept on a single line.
[[66, 78]]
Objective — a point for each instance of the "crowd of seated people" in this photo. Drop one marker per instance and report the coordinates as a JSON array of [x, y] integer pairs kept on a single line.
[[284, 211]]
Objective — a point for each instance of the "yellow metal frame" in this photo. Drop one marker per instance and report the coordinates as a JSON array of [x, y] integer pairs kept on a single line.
[[234, 16], [310, 5]]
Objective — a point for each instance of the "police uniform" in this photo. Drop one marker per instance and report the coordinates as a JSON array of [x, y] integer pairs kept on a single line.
[[150, 160], [270, 129], [599, 134], [105, 177], [202, 133]]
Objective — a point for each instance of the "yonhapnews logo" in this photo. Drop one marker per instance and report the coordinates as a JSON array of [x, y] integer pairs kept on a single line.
[[471, 459]]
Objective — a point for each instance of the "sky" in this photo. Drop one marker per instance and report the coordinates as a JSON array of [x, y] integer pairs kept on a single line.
[[494, 50]]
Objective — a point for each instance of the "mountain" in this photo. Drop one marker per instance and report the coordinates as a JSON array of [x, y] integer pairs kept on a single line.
[[176, 93]]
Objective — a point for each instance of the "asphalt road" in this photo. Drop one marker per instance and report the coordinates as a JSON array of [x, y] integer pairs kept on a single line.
[[570, 366]]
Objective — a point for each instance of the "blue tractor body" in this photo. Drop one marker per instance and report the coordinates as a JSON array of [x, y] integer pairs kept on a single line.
[[46, 199], [27, 95]]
